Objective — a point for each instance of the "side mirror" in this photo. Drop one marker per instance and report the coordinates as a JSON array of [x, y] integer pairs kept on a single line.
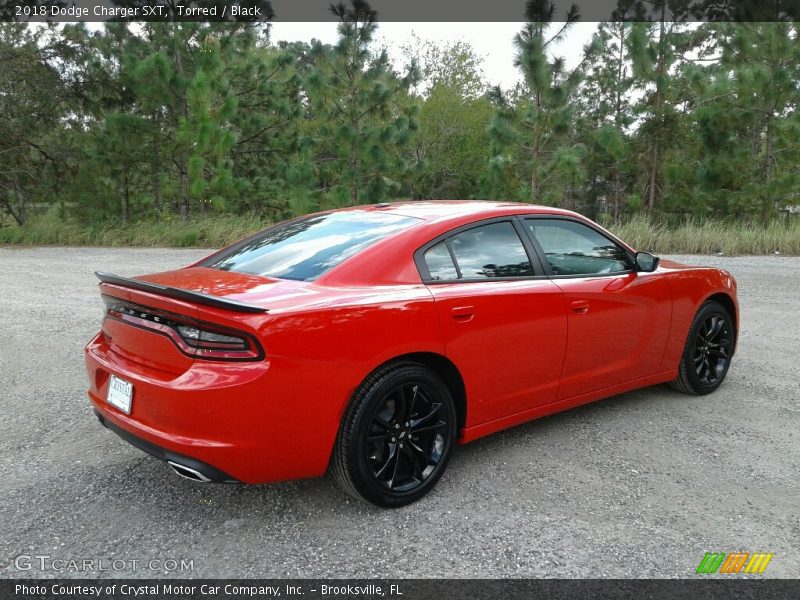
[[646, 262]]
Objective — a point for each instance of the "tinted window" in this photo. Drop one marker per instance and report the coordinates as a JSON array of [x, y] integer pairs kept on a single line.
[[574, 249], [306, 248], [493, 250], [440, 263]]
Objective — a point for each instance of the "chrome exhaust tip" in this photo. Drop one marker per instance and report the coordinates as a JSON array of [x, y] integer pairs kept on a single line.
[[188, 472]]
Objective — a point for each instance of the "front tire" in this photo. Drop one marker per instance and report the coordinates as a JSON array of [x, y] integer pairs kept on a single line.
[[708, 351], [396, 436]]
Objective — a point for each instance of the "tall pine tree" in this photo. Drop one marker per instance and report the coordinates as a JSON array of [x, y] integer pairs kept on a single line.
[[655, 48], [361, 121], [606, 116], [531, 156]]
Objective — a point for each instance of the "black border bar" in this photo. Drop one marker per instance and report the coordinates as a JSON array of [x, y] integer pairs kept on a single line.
[[700, 588], [395, 10]]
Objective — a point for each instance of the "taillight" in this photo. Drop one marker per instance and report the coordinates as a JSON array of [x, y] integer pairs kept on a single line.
[[192, 336], [210, 340]]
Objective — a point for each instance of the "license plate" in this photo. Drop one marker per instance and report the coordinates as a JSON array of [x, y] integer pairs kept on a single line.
[[120, 394]]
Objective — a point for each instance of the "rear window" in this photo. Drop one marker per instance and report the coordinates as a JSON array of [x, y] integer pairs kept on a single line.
[[306, 248]]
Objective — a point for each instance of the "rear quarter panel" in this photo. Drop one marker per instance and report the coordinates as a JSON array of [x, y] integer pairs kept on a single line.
[[355, 326], [350, 332]]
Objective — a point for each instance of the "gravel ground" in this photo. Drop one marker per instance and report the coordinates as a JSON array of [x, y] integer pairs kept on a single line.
[[639, 485]]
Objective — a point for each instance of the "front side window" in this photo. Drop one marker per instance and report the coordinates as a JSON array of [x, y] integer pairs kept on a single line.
[[572, 248], [483, 252], [306, 248]]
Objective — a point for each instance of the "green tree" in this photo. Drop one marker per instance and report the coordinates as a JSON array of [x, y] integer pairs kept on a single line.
[[190, 117], [605, 107], [362, 123], [172, 120], [531, 156], [449, 150], [748, 117], [454, 65], [181, 80], [656, 47], [32, 100], [270, 162]]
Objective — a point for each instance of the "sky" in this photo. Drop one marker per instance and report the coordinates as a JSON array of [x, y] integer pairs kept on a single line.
[[492, 41]]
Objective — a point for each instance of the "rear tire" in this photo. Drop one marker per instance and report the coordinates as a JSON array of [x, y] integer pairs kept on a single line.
[[709, 348], [396, 436]]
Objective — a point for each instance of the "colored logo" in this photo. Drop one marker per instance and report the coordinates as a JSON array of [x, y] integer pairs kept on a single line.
[[734, 562]]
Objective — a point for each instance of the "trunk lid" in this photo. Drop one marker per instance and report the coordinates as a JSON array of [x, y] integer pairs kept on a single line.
[[144, 312]]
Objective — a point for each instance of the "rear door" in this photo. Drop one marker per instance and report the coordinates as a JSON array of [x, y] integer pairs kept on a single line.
[[503, 322], [618, 319]]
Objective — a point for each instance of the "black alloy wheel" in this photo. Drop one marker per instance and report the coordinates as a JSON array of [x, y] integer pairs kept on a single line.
[[396, 436], [708, 351], [712, 349], [407, 437]]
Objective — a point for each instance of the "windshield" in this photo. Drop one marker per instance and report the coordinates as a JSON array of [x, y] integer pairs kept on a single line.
[[306, 248]]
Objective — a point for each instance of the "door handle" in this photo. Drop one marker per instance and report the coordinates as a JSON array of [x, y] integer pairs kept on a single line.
[[462, 313], [580, 307]]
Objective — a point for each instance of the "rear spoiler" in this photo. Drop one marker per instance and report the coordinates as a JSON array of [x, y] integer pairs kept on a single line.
[[171, 292]]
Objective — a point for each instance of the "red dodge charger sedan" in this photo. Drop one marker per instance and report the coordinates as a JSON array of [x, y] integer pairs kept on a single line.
[[370, 340]]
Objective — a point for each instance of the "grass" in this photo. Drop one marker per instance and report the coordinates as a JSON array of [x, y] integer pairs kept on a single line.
[[690, 237], [709, 237], [48, 230]]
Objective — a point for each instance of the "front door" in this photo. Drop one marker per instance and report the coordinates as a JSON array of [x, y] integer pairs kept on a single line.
[[618, 319]]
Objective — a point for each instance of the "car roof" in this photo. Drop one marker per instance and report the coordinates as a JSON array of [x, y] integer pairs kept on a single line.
[[446, 210], [390, 260]]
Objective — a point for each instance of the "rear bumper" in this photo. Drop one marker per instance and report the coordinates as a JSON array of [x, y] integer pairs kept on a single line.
[[208, 472], [258, 422]]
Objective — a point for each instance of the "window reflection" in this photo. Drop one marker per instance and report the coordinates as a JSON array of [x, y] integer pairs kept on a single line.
[[306, 248], [572, 248], [490, 251], [440, 263]]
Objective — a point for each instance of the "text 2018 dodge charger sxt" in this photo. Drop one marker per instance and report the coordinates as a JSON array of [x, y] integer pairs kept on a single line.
[[371, 340]]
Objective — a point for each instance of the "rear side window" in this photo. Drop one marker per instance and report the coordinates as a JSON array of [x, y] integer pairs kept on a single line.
[[483, 252], [306, 248], [440, 263]]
